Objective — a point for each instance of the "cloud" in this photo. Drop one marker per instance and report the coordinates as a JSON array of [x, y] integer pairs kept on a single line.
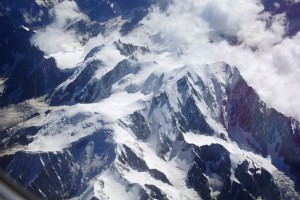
[[267, 59], [30, 19], [216, 182], [66, 13], [58, 42], [200, 32]]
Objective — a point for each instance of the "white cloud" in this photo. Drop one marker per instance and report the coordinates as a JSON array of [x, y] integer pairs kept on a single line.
[[58, 42], [30, 19], [215, 182], [65, 13], [268, 61]]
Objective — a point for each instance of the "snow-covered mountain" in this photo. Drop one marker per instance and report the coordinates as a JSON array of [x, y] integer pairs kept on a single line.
[[100, 101]]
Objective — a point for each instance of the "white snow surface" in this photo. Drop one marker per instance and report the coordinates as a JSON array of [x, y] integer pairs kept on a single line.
[[174, 53], [237, 155], [185, 32], [57, 133]]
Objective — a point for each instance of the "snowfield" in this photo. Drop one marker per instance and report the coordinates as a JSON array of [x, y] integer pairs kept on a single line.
[[158, 104]]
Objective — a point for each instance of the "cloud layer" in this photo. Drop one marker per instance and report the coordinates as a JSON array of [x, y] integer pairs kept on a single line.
[[204, 31], [58, 42], [235, 31]]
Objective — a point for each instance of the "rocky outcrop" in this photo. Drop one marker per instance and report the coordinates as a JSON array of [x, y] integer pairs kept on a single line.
[[65, 174]]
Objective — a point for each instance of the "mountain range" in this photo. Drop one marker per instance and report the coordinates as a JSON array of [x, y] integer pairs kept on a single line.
[[88, 111]]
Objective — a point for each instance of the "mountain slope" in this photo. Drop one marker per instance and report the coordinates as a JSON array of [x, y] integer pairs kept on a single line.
[[131, 121], [189, 121]]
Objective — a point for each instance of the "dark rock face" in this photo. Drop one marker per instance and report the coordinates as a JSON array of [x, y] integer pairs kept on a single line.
[[192, 119], [27, 13], [95, 10], [102, 11], [129, 158], [139, 126], [287, 132], [84, 77], [257, 182], [133, 22], [27, 72], [197, 180], [86, 29], [239, 192], [134, 161], [210, 161], [270, 129], [85, 89], [156, 193], [21, 137], [105, 10], [152, 84], [211, 169], [64, 174], [32, 77], [14, 41], [93, 52], [190, 116], [159, 175], [68, 94], [129, 49], [245, 110]]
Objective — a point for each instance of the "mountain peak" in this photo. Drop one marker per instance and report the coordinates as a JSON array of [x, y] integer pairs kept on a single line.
[[114, 100]]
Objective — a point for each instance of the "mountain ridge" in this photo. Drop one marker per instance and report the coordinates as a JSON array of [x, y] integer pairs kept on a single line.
[[131, 121], [157, 132]]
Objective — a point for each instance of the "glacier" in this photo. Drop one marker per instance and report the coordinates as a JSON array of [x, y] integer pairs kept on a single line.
[[136, 117]]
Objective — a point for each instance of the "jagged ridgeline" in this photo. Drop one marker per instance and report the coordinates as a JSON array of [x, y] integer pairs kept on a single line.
[[133, 122]]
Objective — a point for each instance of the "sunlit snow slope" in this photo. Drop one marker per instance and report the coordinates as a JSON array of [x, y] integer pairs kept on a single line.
[[132, 113]]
